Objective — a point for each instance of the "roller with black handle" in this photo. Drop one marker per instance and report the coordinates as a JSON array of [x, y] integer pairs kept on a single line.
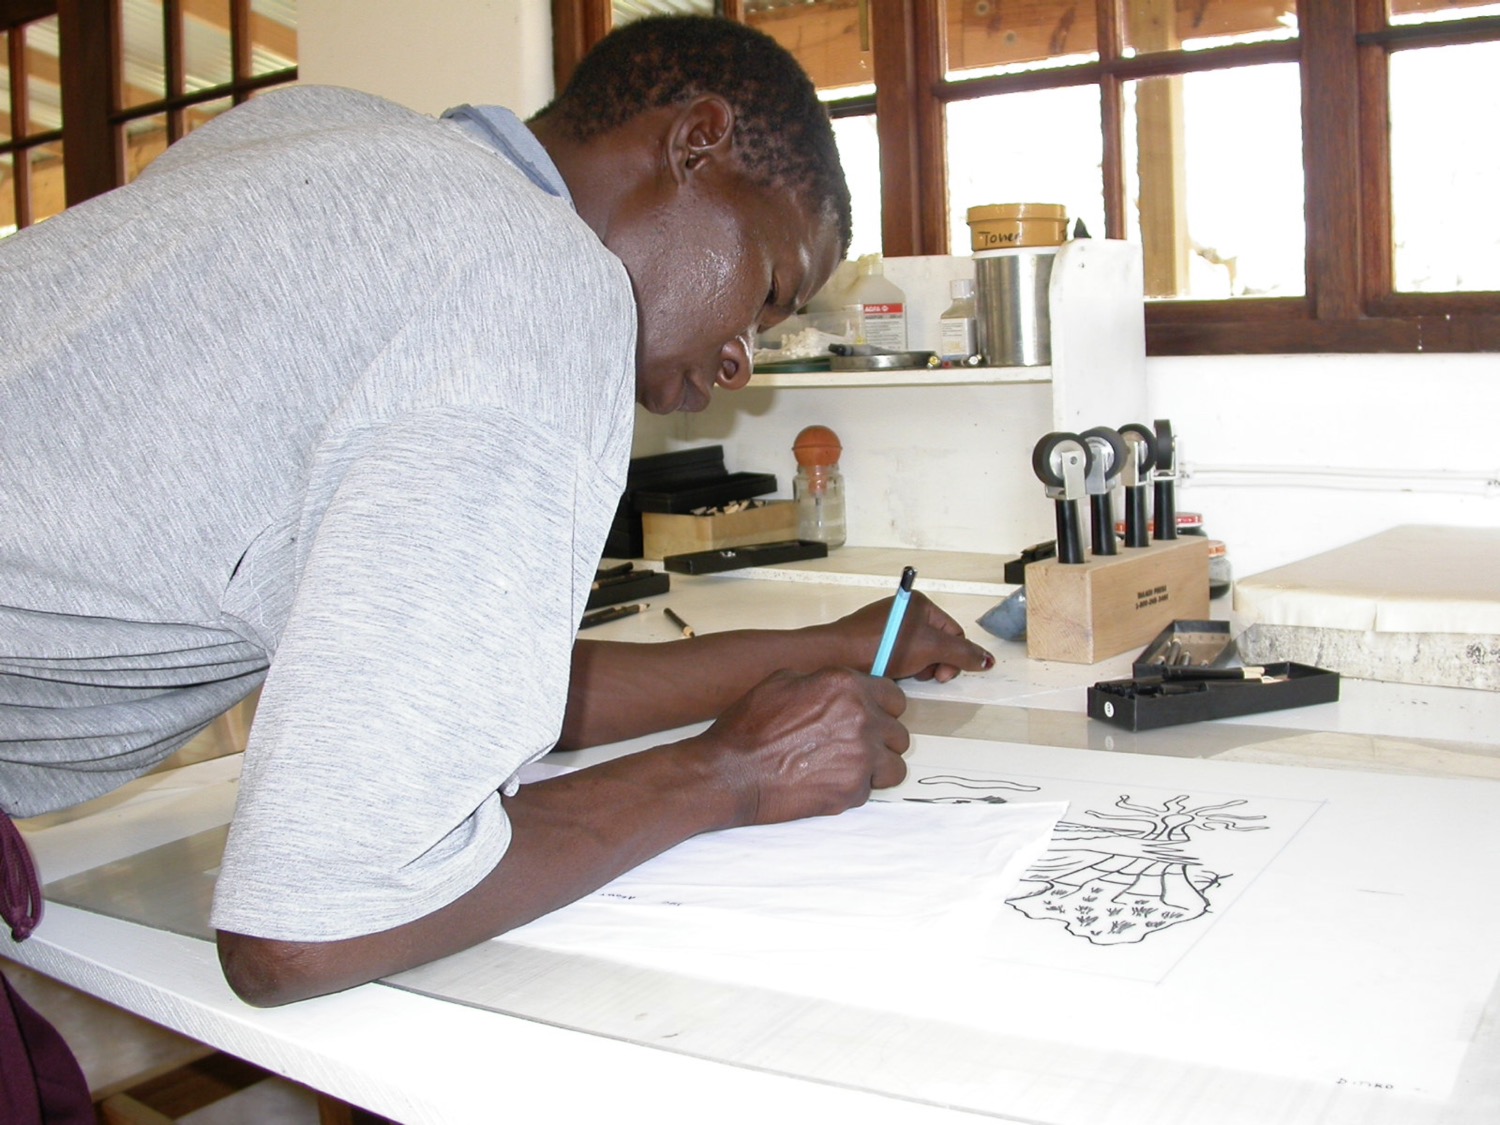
[[1061, 461], [1135, 475], [1108, 449]]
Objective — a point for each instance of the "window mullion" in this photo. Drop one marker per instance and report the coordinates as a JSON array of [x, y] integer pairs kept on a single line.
[[1331, 159], [895, 123], [20, 125], [92, 162], [929, 34], [576, 26], [13, 13], [172, 54], [1112, 118], [1377, 269], [241, 49]]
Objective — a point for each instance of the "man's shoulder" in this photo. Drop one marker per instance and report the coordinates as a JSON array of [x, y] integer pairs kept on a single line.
[[295, 115], [328, 104]]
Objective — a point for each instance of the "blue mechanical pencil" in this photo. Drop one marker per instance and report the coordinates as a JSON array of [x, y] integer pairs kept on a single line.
[[893, 622]]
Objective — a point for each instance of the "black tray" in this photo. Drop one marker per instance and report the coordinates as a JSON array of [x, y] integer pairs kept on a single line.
[[1147, 702], [628, 587], [734, 558]]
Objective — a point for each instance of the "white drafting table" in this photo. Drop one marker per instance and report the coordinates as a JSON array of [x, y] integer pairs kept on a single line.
[[416, 1058]]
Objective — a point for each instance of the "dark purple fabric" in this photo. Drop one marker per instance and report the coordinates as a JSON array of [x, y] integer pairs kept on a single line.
[[20, 893], [40, 1081]]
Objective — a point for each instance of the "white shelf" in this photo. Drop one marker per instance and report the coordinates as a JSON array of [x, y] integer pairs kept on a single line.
[[913, 377]]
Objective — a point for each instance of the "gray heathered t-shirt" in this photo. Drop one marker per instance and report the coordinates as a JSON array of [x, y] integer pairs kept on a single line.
[[333, 389]]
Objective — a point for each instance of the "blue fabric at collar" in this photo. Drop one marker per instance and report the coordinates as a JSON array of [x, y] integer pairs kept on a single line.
[[501, 129]]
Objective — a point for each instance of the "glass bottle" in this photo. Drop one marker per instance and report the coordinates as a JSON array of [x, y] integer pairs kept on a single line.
[[957, 328], [819, 486]]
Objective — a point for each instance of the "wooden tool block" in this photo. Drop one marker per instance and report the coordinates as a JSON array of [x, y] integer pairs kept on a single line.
[[665, 534], [1086, 612]]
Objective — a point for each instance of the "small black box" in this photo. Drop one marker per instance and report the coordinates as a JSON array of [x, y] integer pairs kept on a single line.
[[1147, 702], [676, 482], [1193, 644]]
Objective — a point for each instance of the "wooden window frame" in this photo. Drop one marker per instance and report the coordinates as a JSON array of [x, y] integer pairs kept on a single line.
[[1342, 50], [88, 70]]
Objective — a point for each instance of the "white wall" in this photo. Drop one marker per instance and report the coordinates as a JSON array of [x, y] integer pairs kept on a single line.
[[431, 56], [942, 467], [1370, 442], [949, 467], [1285, 456]]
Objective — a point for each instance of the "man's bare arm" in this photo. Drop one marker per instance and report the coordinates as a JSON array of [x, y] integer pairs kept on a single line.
[[795, 746], [621, 690]]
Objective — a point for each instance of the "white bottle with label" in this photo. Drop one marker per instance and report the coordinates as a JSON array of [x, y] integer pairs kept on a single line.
[[880, 305], [958, 335]]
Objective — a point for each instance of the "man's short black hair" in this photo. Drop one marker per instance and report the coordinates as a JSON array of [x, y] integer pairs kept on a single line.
[[782, 133]]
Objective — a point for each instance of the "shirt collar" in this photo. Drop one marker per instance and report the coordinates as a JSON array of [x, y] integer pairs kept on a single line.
[[502, 130]]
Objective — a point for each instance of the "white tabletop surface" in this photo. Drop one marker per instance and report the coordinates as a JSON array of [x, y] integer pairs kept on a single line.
[[415, 1058]]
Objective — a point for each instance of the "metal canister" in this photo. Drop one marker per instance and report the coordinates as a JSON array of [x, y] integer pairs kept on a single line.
[[1012, 306], [1014, 246]]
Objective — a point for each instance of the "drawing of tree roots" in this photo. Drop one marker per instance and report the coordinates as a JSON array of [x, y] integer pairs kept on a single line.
[[1133, 881]]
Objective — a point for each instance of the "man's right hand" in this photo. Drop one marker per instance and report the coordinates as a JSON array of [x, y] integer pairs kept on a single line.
[[809, 745]]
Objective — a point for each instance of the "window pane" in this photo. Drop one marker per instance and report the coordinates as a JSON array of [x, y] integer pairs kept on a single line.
[[992, 36], [628, 11], [5, 126], [201, 114], [1445, 180], [859, 152], [1434, 11], [43, 95], [206, 58], [1166, 25], [273, 35], [1038, 147], [145, 140], [48, 194], [830, 38], [143, 74], [1213, 168]]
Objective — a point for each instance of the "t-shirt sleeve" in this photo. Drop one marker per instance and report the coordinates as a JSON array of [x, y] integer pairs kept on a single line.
[[425, 661]]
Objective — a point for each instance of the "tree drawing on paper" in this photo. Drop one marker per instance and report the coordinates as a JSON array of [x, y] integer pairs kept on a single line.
[[1131, 881]]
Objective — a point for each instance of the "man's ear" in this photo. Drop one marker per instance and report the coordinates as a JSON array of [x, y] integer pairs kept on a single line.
[[702, 133]]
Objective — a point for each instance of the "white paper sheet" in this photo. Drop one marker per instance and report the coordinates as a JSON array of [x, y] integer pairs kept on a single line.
[[1319, 925], [882, 878]]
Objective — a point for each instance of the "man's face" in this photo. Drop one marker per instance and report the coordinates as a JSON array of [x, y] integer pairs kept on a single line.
[[713, 262]]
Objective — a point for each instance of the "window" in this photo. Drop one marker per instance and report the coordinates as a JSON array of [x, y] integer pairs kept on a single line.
[[1310, 176], [110, 83], [31, 169]]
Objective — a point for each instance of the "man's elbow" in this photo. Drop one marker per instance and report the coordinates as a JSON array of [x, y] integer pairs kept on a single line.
[[267, 973]]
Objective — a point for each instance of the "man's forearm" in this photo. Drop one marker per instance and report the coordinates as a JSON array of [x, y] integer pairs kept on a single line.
[[569, 836], [620, 690], [794, 746]]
